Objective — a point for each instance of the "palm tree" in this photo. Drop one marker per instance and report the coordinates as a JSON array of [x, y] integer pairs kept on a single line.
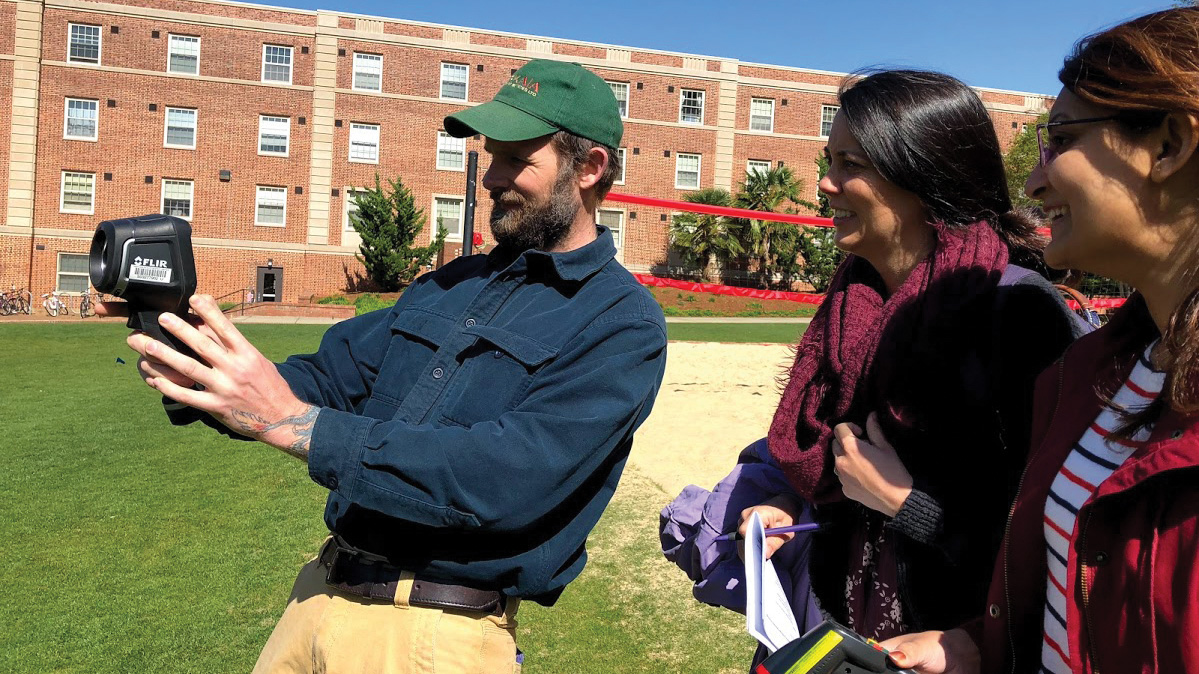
[[768, 191], [706, 239]]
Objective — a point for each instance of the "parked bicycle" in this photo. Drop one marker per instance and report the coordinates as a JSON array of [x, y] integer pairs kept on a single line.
[[16, 302], [55, 304], [87, 303]]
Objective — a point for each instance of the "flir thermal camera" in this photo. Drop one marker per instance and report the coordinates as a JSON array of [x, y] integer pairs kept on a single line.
[[830, 648], [147, 261]]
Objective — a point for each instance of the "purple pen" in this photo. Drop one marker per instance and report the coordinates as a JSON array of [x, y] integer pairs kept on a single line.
[[807, 526]]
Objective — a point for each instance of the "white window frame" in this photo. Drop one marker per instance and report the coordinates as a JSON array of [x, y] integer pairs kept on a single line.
[[441, 82], [699, 166], [377, 60], [824, 108], [767, 101], [683, 98], [166, 128], [191, 197], [624, 155], [619, 237], [749, 165], [99, 43], [259, 190], [66, 119], [349, 205], [364, 128], [450, 236], [62, 193], [624, 114], [189, 39], [59, 273], [444, 139], [286, 135], [291, 62]]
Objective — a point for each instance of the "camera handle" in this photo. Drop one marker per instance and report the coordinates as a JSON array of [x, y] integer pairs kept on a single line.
[[146, 320]]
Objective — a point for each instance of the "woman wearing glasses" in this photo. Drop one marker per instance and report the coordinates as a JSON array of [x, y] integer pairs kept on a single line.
[[1098, 570], [908, 407]]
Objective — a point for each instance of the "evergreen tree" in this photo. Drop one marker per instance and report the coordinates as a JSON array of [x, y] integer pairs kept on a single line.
[[1019, 161], [820, 255], [389, 223]]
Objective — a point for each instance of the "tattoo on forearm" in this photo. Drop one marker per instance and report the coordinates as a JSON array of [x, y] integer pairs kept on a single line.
[[300, 426]]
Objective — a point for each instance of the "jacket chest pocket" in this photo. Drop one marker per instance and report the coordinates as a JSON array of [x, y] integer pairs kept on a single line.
[[495, 373], [417, 335]]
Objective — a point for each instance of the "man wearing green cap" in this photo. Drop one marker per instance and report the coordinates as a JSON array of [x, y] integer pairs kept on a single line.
[[471, 436]]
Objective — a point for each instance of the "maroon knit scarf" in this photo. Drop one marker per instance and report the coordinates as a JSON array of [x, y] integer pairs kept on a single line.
[[865, 352]]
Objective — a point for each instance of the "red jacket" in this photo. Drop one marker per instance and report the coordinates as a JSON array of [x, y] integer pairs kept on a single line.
[[1133, 572]]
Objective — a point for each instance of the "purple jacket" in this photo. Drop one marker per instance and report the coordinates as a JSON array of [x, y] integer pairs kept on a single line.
[[690, 524]]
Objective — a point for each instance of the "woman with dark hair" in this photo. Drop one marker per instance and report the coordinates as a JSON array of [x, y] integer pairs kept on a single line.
[[904, 419], [1098, 567]]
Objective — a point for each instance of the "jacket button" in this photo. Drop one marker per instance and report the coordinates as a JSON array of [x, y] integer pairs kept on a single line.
[[993, 610], [438, 372], [333, 483], [1101, 558], [470, 322]]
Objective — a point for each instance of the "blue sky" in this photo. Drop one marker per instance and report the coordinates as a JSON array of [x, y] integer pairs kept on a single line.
[[1017, 44]]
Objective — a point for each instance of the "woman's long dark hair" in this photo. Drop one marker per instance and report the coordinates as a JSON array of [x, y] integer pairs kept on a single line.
[[1144, 70], [929, 133]]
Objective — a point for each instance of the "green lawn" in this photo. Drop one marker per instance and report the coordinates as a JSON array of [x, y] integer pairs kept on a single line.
[[134, 546], [758, 333]]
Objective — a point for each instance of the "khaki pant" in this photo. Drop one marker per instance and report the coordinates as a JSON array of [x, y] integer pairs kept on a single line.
[[327, 631]]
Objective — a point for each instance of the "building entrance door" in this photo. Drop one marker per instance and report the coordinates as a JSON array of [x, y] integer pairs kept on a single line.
[[270, 284]]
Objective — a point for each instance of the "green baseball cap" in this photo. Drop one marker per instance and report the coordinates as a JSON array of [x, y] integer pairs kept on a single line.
[[541, 98]]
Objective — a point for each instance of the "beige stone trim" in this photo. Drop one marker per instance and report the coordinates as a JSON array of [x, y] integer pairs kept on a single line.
[[190, 78], [324, 108], [620, 55], [133, 11], [23, 115], [726, 123], [456, 36], [364, 25], [539, 46], [690, 63], [199, 242], [771, 134]]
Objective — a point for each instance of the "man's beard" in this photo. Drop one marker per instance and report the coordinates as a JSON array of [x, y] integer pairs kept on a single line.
[[521, 225]]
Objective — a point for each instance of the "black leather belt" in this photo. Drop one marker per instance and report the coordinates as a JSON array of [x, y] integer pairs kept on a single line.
[[362, 574]]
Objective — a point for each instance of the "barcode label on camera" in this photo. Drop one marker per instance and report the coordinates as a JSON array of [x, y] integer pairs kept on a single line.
[[149, 274]]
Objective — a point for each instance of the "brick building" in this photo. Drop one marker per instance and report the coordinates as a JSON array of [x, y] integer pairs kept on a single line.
[[255, 123]]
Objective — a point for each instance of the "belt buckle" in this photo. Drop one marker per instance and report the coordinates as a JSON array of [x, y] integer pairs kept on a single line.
[[340, 556]]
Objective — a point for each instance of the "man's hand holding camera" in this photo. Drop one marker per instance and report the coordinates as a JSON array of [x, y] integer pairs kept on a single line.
[[237, 385]]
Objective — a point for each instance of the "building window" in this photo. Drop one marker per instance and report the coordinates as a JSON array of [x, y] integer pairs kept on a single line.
[[80, 119], [761, 114], [351, 208], [364, 143], [368, 72], [827, 113], [78, 193], [686, 171], [183, 55], [450, 152], [447, 212], [73, 273], [276, 64], [691, 106], [84, 43], [177, 198], [454, 80], [181, 128], [620, 152], [757, 166], [613, 220], [273, 135], [621, 91], [270, 206]]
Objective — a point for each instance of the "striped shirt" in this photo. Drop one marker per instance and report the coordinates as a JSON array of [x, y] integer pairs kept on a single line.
[[1094, 458]]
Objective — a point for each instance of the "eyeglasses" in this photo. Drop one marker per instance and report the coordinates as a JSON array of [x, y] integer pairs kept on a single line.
[[1045, 144]]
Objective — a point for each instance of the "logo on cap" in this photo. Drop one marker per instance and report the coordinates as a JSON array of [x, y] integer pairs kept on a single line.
[[523, 84]]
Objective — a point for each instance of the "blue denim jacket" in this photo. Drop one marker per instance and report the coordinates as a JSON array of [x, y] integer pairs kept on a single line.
[[475, 431]]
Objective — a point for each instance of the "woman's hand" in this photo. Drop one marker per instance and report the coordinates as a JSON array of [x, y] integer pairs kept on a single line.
[[780, 511], [869, 469], [952, 652]]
